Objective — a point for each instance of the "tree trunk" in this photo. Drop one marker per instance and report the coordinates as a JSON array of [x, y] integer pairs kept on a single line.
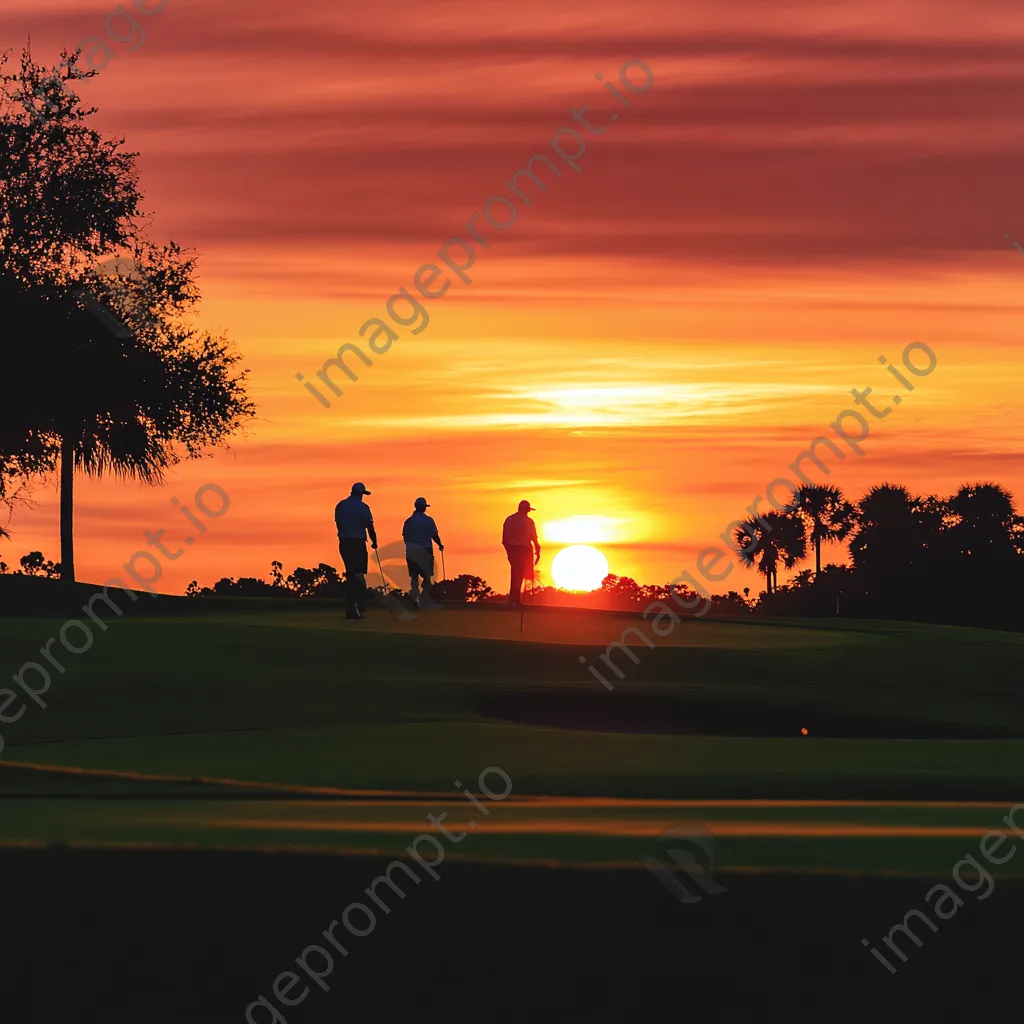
[[817, 557], [67, 504]]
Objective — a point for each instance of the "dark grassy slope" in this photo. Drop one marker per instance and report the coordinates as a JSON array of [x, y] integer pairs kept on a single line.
[[179, 675], [154, 937], [294, 697]]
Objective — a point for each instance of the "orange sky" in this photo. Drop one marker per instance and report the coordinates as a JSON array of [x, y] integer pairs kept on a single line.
[[803, 188]]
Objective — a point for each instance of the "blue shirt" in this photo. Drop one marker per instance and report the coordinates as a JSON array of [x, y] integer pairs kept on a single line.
[[352, 516], [519, 529], [419, 530]]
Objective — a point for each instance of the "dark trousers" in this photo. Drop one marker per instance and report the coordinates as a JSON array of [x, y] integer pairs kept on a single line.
[[419, 562], [355, 557], [520, 560]]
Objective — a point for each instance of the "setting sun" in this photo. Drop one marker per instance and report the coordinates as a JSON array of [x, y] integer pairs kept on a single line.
[[579, 567]]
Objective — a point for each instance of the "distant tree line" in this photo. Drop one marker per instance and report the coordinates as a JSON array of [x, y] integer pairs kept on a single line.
[[326, 581], [33, 564], [622, 593], [957, 560]]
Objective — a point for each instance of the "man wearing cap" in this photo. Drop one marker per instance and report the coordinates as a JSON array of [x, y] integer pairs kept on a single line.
[[519, 538], [420, 534], [354, 520]]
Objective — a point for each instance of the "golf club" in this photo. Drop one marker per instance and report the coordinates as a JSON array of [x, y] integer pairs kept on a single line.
[[444, 574], [380, 569]]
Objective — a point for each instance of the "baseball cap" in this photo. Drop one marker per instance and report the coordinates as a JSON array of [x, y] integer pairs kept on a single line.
[[421, 503], [358, 488], [526, 506]]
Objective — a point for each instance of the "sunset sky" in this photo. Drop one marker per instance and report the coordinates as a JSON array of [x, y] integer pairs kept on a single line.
[[805, 187]]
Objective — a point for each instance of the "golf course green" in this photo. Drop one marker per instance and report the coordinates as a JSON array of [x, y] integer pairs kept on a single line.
[[302, 698], [238, 747]]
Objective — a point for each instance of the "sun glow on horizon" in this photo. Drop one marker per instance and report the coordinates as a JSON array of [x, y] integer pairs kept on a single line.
[[583, 530], [579, 567]]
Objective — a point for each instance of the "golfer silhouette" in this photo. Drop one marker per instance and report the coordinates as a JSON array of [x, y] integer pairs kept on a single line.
[[519, 539], [354, 520], [420, 535]]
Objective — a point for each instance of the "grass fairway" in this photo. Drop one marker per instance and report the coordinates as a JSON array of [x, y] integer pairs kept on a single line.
[[230, 779], [302, 698], [892, 710]]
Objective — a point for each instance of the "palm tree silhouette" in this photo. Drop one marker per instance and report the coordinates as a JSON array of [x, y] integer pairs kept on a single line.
[[987, 518], [763, 542], [829, 515], [889, 534]]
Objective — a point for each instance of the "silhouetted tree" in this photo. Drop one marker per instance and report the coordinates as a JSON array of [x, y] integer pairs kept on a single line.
[[114, 378], [811, 593], [730, 603], [985, 521], [889, 549], [323, 581], [464, 589], [763, 542], [620, 591], [829, 516], [245, 586], [652, 592], [34, 564]]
